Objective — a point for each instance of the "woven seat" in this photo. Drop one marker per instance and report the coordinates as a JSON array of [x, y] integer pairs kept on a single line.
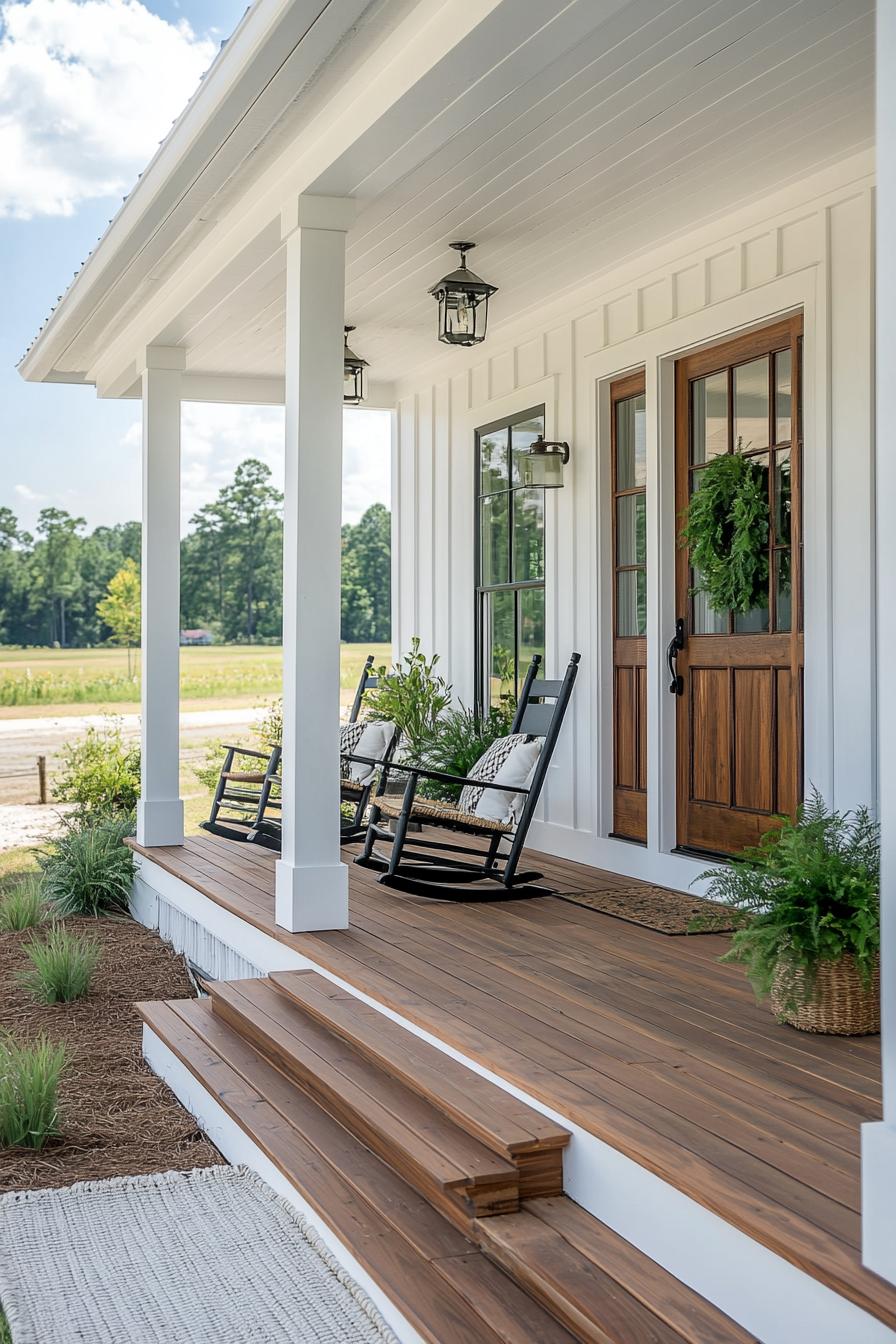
[[245, 776], [446, 814]]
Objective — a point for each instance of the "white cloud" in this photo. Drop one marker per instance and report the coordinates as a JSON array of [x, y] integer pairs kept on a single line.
[[88, 88], [25, 492], [215, 439]]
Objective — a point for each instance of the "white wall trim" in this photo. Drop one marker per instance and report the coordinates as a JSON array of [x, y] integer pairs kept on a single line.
[[697, 1246]]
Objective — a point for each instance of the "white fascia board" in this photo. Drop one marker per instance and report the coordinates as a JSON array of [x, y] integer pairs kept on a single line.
[[208, 105], [423, 39]]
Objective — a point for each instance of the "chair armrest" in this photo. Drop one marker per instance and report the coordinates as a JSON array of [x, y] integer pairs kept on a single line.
[[443, 777], [246, 751]]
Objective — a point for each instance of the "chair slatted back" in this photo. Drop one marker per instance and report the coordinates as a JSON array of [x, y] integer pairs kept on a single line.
[[368, 682], [540, 713]]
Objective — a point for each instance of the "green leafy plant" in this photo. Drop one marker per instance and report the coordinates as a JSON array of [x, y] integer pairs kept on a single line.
[[23, 906], [29, 1092], [811, 892], [100, 773], [62, 965], [88, 870], [454, 744], [726, 528], [411, 695]]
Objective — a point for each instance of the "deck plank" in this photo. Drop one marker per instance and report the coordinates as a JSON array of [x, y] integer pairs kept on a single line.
[[644, 1040]]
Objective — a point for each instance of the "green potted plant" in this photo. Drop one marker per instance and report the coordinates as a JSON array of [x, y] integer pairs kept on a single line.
[[810, 896], [455, 742], [411, 695]]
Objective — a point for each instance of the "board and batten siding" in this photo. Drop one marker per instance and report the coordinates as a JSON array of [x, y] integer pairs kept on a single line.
[[808, 247]]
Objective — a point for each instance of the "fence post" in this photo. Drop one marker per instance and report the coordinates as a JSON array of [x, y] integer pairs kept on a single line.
[[42, 778]]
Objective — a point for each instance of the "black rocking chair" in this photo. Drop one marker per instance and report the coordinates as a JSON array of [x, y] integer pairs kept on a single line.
[[245, 800], [486, 872]]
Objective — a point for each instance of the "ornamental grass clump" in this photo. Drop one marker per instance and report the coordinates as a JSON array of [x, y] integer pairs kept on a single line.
[[89, 870], [811, 890], [29, 1091], [62, 965], [23, 906]]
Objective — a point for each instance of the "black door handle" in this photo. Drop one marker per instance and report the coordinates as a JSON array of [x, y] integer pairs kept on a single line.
[[676, 683]]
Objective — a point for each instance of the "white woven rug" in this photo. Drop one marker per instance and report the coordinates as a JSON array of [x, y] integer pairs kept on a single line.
[[211, 1256]]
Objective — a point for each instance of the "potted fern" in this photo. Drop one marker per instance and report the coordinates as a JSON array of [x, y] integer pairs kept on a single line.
[[809, 893]]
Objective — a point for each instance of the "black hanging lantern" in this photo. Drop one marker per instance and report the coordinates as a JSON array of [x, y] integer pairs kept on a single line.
[[354, 379], [543, 462], [463, 303]]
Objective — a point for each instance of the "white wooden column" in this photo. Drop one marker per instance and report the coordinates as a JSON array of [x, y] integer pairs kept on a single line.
[[160, 812], [312, 882], [879, 1139]]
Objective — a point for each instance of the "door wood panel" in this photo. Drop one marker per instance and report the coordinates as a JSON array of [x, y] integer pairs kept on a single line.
[[627, 410], [739, 717]]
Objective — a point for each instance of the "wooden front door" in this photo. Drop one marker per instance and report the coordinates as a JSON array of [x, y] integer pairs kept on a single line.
[[739, 723], [629, 471]]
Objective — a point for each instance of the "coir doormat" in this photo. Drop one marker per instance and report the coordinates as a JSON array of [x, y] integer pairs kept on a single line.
[[670, 912]]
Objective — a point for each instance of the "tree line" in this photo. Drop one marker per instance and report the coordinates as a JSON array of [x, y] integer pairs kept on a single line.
[[55, 583]]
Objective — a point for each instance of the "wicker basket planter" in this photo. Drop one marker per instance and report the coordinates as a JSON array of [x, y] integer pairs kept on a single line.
[[840, 1004]]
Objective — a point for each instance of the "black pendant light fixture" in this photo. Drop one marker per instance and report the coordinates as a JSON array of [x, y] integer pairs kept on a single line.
[[354, 379], [463, 302]]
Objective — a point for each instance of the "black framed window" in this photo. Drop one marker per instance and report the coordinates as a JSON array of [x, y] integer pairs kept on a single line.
[[509, 557]]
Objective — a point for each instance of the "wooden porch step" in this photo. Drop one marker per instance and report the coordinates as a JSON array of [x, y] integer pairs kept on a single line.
[[456, 1172], [444, 1286], [549, 1272], [508, 1127], [598, 1284]]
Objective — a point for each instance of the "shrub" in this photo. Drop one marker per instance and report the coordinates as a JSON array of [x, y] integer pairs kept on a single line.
[[100, 773], [29, 1092], [62, 965], [22, 907], [411, 695], [811, 890], [88, 870], [455, 743]]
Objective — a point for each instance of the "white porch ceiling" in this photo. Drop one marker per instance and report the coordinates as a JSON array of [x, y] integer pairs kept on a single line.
[[611, 125]]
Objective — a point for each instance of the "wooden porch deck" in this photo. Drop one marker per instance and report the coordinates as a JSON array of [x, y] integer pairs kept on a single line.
[[643, 1040]]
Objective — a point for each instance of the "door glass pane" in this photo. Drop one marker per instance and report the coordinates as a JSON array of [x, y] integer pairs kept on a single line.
[[631, 603], [707, 621], [528, 535], [709, 417], [500, 640], [531, 629], [631, 442], [751, 405], [751, 622], [494, 536], [493, 462], [783, 594], [631, 536], [783, 397], [782, 496], [521, 437]]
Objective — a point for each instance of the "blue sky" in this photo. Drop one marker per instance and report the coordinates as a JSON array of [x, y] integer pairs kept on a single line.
[[79, 116]]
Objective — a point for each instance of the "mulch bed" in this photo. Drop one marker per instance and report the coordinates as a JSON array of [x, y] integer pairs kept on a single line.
[[117, 1118], [658, 908]]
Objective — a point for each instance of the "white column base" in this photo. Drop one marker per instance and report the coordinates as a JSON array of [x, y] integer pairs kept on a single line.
[[878, 1185], [160, 822], [311, 899]]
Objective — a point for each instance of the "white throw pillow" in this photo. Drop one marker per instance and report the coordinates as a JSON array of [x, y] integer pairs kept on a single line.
[[516, 773], [373, 742], [487, 767]]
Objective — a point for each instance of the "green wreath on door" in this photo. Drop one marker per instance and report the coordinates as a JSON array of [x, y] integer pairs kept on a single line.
[[725, 527]]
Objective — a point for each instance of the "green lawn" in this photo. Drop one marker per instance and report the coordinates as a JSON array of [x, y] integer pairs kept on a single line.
[[97, 679]]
